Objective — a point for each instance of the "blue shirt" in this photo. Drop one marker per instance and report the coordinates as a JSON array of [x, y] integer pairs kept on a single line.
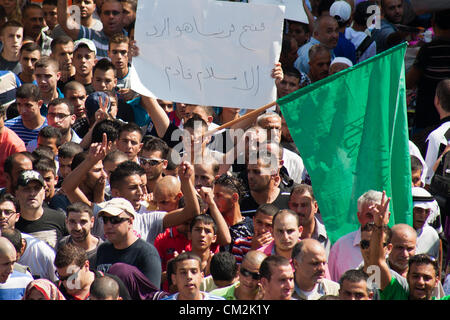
[[16, 125], [345, 48], [302, 62]]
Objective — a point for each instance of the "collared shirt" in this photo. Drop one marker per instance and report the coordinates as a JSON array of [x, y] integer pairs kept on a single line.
[[45, 44], [323, 287], [345, 254], [320, 234], [302, 61]]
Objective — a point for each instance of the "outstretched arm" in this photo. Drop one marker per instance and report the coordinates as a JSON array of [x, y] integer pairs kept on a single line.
[[223, 231], [71, 183], [377, 255], [70, 27]]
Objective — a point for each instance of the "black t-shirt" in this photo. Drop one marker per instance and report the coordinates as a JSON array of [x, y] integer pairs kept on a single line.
[[123, 291], [88, 87], [249, 205], [50, 227], [433, 60], [141, 254]]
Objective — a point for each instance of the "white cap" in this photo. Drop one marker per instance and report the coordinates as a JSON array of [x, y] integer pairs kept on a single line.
[[422, 198], [341, 11], [342, 60], [88, 43]]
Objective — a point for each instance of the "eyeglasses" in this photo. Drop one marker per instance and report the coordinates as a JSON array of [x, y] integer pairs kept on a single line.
[[365, 244], [7, 212], [71, 276], [151, 162], [114, 220], [59, 116], [246, 273]]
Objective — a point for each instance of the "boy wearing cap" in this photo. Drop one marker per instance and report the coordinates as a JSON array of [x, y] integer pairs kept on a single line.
[[123, 245], [41, 222], [84, 53]]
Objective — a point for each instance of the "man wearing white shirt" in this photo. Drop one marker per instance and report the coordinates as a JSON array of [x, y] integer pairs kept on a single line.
[[437, 140]]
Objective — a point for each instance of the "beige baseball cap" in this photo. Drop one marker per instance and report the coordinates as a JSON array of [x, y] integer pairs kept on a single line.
[[116, 206]]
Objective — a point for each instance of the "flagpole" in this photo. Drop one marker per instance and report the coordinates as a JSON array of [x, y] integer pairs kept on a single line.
[[244, 117]]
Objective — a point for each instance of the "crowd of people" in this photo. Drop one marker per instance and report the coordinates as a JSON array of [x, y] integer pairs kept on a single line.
[[107, 194]]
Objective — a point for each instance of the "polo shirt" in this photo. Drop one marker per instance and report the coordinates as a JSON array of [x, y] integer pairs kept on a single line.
[[395, 291], [226, 292]]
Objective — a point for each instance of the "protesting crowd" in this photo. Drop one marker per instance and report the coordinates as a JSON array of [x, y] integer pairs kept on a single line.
[[108, 194]]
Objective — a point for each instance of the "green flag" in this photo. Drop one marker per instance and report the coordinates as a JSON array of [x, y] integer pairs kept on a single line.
[[352, 133]]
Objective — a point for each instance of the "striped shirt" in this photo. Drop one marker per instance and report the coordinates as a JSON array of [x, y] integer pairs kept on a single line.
[[9, 82], [14, 287], [100, 39], [16, 125]]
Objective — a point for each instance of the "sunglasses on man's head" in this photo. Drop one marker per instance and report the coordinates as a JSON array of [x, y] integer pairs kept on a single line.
[[247, 273], [114, 219]]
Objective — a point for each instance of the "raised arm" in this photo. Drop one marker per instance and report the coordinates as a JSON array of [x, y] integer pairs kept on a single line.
[[192, 207], [69, 25], [310, 17], [223, 231], [377, 255], [159, 117], [71, 183]]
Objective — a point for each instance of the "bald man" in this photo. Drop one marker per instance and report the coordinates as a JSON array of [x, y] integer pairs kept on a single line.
[[167, 193], [247, 288], [404, 239], [7, 259], [309, 258]]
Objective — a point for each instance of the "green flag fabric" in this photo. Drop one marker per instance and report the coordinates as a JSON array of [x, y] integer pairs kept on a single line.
[[352, 133]]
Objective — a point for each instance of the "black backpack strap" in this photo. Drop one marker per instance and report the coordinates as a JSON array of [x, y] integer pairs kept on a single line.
[[364, 46]]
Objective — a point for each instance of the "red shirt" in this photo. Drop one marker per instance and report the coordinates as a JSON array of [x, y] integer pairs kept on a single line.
[[10, 143]]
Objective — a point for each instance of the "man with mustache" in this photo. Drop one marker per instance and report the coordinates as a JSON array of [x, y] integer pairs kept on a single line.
[[319, 62], [33, 23], [310, 261], [326, 32]]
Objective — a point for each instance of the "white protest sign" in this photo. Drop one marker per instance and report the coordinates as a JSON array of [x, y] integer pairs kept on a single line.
[[294, 8], [207, 52]]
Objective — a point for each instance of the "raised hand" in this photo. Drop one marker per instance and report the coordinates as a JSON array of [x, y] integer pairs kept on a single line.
[[98, 151], [381, 211], [186, 171]]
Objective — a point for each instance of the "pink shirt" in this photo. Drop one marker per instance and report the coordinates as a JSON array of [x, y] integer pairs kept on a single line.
[[269, 249], [345, 254], [10, 143]]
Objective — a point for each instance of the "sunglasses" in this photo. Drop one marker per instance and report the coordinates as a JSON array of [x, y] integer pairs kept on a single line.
[[246, 273], [152, 162], [70, 276], [365, 244], [114, 220]]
